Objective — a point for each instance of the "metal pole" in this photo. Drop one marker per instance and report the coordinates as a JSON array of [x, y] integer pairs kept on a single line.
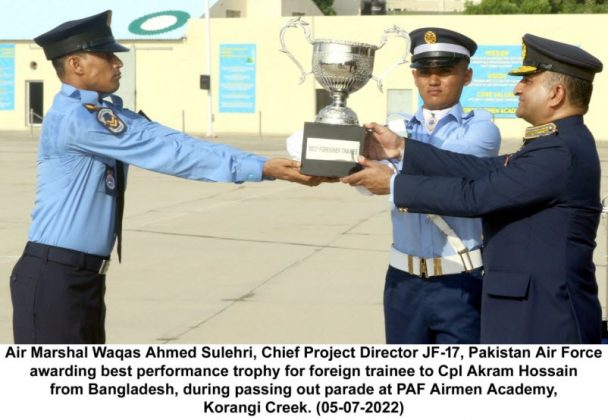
[[210, 104], [260, 123]]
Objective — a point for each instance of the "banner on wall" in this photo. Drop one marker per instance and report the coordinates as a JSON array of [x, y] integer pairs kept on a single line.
[[492, 88], [237, 78], [7, 77]]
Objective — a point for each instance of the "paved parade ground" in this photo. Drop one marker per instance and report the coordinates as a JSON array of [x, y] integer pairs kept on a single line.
[[270, 262]]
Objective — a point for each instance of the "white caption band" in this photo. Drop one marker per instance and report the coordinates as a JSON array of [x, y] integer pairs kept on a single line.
[[332, 149]]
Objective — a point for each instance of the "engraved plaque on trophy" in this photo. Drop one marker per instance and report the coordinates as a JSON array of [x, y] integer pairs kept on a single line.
[[332, 143]]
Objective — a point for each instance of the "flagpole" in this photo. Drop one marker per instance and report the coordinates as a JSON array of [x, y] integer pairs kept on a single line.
[[209, 96]]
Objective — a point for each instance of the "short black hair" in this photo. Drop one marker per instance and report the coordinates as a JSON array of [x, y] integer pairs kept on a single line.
[[59, 64], [578, 91]]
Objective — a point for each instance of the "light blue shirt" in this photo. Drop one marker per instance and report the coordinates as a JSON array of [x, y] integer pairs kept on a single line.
[[471, 133], [74, 208]]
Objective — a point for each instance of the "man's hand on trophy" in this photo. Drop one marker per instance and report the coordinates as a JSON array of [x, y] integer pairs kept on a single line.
[[289, 170], [382, 143], [374, 176]]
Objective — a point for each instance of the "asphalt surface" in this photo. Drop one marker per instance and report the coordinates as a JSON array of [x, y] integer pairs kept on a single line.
[[269, 262]]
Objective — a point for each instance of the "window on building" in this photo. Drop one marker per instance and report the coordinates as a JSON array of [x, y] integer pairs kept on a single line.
[[399, 104], [233, 13], [298, 14]]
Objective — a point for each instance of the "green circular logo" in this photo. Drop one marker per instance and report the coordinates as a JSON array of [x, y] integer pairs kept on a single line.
[[159, 22]]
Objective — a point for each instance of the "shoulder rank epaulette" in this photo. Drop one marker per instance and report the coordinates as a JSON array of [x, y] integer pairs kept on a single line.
[[108, 118], [539, 131]]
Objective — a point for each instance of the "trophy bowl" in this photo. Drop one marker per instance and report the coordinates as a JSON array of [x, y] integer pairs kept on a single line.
[[331, 144], [342, 68]]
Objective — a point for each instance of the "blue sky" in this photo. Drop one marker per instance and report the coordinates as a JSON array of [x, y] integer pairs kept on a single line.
[[131, 19]]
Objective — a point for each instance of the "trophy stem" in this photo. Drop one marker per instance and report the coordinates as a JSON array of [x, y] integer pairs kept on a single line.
[[339, 98], [338, 112]]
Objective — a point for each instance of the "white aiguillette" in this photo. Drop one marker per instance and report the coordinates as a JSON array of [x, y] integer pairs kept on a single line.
[[331, 150]]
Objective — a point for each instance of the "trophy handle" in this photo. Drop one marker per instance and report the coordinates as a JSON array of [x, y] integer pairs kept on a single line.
[[295, 23], [397, 31]]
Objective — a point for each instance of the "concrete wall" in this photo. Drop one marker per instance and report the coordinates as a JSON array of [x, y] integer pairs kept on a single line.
[[283, 104], [167, 73], [299, 7], [426, 5], [265, 8], [219, 9]]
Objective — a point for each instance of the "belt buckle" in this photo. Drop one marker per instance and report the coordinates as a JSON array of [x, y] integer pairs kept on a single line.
[[104, 267], [464, 262], [423, 268]]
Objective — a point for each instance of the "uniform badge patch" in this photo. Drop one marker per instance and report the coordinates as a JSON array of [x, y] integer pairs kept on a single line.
[[110, 120], [110, 180]]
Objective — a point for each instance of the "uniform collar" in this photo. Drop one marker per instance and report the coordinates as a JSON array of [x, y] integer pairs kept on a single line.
[[569, 122], [89, 96], [457, 112], [532, 133], [85, 96]]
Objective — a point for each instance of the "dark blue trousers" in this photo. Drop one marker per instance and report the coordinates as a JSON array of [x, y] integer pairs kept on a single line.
[[55, 303], [435, 310]]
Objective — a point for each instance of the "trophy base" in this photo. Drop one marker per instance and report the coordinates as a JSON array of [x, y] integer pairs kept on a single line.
[[331, 150], [339, 115]]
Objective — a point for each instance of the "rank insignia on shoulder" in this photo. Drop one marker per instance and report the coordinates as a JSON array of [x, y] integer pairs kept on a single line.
[[539, 131], [110, 120]]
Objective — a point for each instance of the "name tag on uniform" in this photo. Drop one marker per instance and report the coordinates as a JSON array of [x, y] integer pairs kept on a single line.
[[110, 180]]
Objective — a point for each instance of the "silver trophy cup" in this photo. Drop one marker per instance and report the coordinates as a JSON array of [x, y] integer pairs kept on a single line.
[[342, 67]]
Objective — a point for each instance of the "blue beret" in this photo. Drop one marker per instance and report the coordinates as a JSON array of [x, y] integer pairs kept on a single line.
[[92, 33], [437, 47], [540, 54]]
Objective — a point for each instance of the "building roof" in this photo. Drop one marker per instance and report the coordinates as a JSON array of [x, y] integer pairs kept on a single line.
[[131, 19]]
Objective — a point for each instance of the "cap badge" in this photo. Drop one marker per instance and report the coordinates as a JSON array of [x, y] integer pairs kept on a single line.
[[430, 37], [524, 50]]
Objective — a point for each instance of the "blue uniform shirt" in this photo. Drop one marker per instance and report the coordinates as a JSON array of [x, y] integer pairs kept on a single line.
[[471, 133], [75, 204]]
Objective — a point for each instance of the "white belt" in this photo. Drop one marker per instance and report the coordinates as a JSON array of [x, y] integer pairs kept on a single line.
[[438, 266]]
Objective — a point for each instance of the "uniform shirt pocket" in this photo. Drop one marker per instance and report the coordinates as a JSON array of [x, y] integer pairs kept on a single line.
[[508, 284]]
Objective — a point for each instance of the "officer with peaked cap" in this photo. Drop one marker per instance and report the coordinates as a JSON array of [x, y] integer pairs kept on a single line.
[[541, 54], [540, 206], [432, 291], [439, 47], [91, 34], [87, 142]]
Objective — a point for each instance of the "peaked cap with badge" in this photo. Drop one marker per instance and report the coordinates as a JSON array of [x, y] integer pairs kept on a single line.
[[439, 47], [541, 54], [92, 34]]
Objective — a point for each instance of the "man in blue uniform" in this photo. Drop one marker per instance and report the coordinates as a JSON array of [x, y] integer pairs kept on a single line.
[[540, 206], [87, 141], [432, 292]]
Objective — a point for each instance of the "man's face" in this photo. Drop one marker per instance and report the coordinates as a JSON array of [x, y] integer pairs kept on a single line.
[[440, 87], [100, 71], [534, 92]]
